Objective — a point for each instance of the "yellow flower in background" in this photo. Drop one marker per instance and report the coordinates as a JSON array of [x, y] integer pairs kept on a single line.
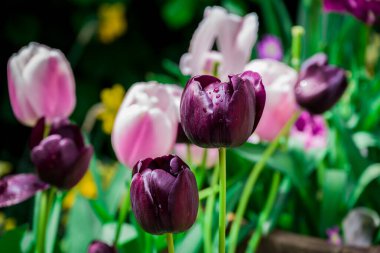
[[86, 187], [111, 99], [112, 22], [7, 224], [372, 53]]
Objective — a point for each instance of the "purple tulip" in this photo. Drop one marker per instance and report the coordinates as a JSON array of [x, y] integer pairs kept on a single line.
[[367, 11], [319, 85], [100, 247], [164, 195], [61, 158], [18, 188], [222, 114]]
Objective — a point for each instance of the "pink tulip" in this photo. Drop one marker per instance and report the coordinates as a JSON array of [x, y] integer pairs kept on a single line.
[[41, 84], [234, 36], [197, 154], [146, 124], [279, 80]]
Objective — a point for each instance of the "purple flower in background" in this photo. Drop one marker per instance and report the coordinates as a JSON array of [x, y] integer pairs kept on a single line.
[[310, 131], [62, 158], [100, 247], [319, 85], [18, 188], [334, 236], [222, 114], [164, 195], [366, 10], [270, 47]]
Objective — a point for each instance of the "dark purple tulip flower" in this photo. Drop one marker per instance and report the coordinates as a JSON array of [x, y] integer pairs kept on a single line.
[[222, 114], [15, 189], [100, 247], [61, 158], [164, 195], [367, 11], [319, 85]]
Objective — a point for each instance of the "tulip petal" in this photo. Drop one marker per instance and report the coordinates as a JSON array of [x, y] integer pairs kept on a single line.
[[37, 133], [18, 188], [184, 200]]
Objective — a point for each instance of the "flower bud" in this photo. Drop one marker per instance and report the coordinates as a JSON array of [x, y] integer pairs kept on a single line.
[[319, 85], [164, 195], [222, 114], [41, 84], [61, 158], [100, 247], [15, 189]]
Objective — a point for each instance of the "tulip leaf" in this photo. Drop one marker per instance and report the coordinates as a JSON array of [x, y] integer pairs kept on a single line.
[[369, 174], [83, 226], [100, 211], [54, 218], [334, 188], [192, 241], [12, 240], [127, 234]]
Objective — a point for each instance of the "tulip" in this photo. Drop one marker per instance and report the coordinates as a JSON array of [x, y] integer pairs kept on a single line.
[[279, 80], [319, 85], [100, 247], [367, 11], [222, 114], [61, 158], [41, 84], [15, 189], [146, 123], [164, 195], [234, 36], [310, 131]]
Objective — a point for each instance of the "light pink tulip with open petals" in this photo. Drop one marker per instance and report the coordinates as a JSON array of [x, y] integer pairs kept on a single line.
[[146, 123], [234, 36], [41, 84], [279, 80]]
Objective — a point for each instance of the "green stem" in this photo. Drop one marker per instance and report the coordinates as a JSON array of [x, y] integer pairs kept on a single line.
[[169, 239], [42, 220], [205, 193], [297, 33], [188, 153], [207, 226], [251, 181], [122, 216], [201, 170], [255, 239], [222, 199]]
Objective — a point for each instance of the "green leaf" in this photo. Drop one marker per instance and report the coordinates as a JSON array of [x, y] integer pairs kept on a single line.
[[178, 13], [53, 223], [334, 188], [127, 234], [11, 240], [83, 226], [370, 174], [100, 211], [192, 242]]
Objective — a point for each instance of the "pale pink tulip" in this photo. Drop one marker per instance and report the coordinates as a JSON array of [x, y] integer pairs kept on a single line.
[[234, 37], [197, 154], [279, 80], [146, 124], [41, 84]]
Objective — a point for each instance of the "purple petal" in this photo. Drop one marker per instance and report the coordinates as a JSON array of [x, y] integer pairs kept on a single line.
[[18, 188], [100, 247], [183, 201], [37, 133], [64, 128]]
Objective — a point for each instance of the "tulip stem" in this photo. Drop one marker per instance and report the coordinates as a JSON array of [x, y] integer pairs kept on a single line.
[[222, 200], [42, 221], [251, 181], [255, 239], [208, 218], [169, 238], [122, 216], [297, 33]]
